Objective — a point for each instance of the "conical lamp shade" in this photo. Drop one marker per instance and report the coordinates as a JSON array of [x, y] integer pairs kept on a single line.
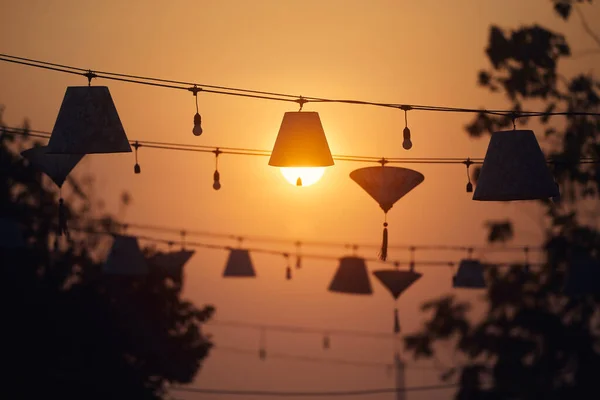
[[88, 123], [351, 277], [239, 265], [387, 184], [11, 235], [397, 281], [56, 166], [171, 263], [470, 275], [125, 257], [583, 276], [301, 142], [514, 168]]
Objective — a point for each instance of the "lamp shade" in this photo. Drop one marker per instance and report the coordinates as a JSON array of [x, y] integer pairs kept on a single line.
[[11, 235], [171, 263], [397, 281], [514, 168], [56, 166], [88, 123], [387, 184], [470, 275], [125, 257], [301, 142], [583, 276], [239, 265], [351, 277]]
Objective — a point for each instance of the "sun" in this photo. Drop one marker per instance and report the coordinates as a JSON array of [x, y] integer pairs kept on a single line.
[[302, 176]]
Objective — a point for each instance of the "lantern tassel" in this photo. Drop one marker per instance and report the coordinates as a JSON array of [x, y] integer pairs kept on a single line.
[[396, 321], [62, 219], [384, 244]]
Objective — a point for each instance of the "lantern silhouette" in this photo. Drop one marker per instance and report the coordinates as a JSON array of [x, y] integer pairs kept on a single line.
[[88, 123], [11, 235], [301, 143], [171, 263], [396, 282], [514, 168], [57, 167], [470, 275], [239, 265], [583, 276], [125, 257], [351, 277], [386, 185]]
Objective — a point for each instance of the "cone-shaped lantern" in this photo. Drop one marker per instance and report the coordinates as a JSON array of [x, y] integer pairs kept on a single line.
[[88, 123], [351, 277], [386, 185], [514, 168], [171, 263], [470, 275], [125, 257], [583, 276], [397, 281], [11, 235], [239, 265], [56, 166]]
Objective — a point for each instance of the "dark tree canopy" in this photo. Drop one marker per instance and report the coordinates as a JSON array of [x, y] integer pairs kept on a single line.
[[68, 330], [535, 341]]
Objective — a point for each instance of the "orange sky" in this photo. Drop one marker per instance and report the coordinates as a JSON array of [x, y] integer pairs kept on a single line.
[[425, 52]]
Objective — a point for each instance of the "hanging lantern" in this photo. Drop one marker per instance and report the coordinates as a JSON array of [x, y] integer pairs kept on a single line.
[[125, 257], [583, 276], [386, 185], [397, 281], [239, 265], [301, 148], [470, 275], [88, 123], [56, 166], [11, 235], [351, 277], [514, 168], [171, 263]]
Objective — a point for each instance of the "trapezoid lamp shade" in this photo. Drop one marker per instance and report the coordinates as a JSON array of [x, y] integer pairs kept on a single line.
[[514, 168], [239, 265], [88, 123], [125, 257], [351, 277], [171, 263], [301, 142], [470, 275], [396, 281]]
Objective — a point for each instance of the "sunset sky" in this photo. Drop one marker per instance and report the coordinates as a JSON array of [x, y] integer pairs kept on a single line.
[[424, 52]]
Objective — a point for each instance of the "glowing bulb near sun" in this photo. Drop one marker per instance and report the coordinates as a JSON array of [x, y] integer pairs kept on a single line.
[[302, 176]]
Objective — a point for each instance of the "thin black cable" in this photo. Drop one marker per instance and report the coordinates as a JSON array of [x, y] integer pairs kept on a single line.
[[267, 95], [364, 392]]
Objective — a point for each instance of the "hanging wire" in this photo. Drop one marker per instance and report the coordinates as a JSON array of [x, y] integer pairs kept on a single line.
[[232, 91]]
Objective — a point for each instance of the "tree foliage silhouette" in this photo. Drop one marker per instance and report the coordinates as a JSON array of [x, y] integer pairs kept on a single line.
[[68, 330], [534, 341]]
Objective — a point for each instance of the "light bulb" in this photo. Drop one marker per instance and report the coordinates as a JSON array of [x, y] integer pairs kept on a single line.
[[217, 180], [197, 125], [407, 144], [302, 176], [137, 169]]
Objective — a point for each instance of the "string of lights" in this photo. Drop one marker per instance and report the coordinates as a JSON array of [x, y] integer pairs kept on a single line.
[[365, 392], [195, 87], [286, 255]]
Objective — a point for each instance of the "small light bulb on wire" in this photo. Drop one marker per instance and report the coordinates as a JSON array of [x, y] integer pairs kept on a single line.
[[217, 175], [136, 168], [468, 163], [407, 143], [197, 131]]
